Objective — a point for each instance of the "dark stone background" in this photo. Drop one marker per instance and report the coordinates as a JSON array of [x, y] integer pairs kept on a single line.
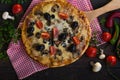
[[80, 70]]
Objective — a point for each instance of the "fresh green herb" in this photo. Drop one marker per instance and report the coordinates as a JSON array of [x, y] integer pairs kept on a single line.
[[6, 1], [94, 40], [11, 1], [21, 1], [3, 56], [102, 21], [17, 35], [7, 32]]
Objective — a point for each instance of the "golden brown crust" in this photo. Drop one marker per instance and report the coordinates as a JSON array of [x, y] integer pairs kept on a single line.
[[80, 16]]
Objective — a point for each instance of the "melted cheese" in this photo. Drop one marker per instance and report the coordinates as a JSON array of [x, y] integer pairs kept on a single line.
[[60, 24]]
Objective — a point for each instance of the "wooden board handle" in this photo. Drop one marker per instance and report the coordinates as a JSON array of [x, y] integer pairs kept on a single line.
[[112, 5]]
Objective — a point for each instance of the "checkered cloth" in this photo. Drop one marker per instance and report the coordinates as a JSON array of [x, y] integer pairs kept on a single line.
[[22, 63]]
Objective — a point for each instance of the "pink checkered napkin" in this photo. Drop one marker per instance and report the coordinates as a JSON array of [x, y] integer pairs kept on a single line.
[[22, 63]]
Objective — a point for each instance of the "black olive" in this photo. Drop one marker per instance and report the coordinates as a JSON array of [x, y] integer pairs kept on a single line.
[[44, 41], [72, 48], [74, 25], [47, 16], [55, 8], [58, 52], [38, 13], [30, 30], [37, 35], [62, 36], [39, 47], [53, 16]]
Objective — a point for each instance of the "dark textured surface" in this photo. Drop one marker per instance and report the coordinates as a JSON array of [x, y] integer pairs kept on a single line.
[[80, 70]]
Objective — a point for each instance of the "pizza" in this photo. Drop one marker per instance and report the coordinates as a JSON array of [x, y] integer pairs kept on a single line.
[[55, 33]]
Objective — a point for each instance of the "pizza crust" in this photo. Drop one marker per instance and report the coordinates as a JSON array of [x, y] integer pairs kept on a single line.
[[49, 60]]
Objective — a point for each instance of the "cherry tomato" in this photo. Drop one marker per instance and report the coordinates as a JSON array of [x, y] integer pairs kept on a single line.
[[55, 32], [91, 51], [106, 36], [39, 24], [45, 35], [111, 60], [52, 50], [76, 40], [62, 15], [17, 8]]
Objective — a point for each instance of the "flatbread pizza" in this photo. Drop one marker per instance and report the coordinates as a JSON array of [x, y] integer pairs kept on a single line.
[[55, 33]]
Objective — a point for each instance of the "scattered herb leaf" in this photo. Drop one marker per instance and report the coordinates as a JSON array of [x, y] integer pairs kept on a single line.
[[11, 1], [102, 21], [7, 32], [94, 40]]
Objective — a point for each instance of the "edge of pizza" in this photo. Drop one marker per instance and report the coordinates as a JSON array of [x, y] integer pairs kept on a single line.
[[48, 41]]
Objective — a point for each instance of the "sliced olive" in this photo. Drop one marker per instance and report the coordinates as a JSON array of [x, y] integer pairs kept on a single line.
[[47, 16], [31, 24], [62, 36], [37, 12], [58, 52], [55, 8], [74, 25], [30, 30], [72, 48], [44, 41], [39, 47], [37, 35], [48, 23], [53, 16]]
